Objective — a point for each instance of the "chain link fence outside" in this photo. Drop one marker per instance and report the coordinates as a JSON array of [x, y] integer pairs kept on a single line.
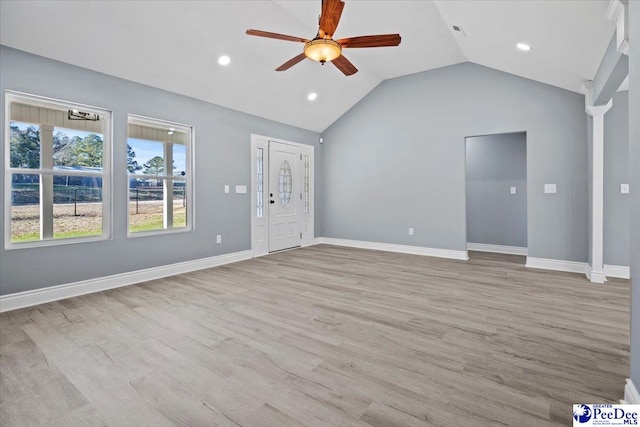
[[61, 196], [66, 195], [147, 194], [77, 210]]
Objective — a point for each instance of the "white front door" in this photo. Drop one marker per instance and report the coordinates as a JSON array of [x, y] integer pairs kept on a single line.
[[284, 196]]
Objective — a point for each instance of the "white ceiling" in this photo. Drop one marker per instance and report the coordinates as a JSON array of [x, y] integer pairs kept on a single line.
[[174, 45]]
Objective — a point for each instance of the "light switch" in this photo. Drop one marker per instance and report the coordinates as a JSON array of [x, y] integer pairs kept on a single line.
[[513, 190], [550, 188], [226, 189], [624, 188], [241, 189], [219, 238]]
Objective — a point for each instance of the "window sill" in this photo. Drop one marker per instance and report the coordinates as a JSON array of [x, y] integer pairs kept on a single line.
[[159, 232], [54, 242]]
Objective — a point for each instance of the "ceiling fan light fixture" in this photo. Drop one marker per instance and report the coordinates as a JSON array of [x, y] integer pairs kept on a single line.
[[322, 50]]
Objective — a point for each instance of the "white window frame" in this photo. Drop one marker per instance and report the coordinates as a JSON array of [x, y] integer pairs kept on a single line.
[[105, 175], [188, 178]]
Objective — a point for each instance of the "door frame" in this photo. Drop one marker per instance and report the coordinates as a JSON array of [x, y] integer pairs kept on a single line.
[[512, 250], [260, 248]]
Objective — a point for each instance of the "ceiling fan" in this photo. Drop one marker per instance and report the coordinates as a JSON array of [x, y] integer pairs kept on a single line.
[[323, 47]]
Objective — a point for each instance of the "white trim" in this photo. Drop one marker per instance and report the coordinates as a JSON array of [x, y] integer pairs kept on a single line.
[[55, 293], [390, 247], [307, 238], [259, 248], [631, 394], [499, 249], [159, 231], [619, 271], [619, 11], [557, 265], [595, 276], [586, 87], [613, 9]]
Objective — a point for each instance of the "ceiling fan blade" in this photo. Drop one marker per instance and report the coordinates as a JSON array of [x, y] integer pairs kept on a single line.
[[331, 12], [290, 63], [344, 65], [371, 41], [277, 36]]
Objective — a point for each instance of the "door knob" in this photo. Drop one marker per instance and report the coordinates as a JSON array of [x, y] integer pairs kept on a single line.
[[271, 201]]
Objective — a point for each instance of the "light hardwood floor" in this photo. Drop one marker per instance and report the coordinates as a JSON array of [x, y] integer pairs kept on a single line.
[[322, 336]]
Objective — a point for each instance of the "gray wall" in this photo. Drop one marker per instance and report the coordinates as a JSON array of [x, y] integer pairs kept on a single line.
[[396, 159], [222, 149], [634, 175], [616, 172], [495, 163]]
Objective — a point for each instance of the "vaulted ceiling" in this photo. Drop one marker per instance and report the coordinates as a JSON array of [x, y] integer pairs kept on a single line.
[[175, 45]]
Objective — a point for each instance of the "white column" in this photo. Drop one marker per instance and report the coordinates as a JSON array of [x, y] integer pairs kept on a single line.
[[596, 270], [168, 185], [46, 182]]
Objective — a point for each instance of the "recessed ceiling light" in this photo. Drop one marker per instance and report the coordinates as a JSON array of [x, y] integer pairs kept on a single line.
[[170, 132], [224, 60], [312, 96], [523, 46]]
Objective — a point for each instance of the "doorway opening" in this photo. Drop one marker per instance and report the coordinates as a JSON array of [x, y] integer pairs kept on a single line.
[[282, 195], [496, 193]]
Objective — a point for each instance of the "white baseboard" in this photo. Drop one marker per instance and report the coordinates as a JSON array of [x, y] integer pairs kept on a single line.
[[390, 247], [557, 265], [631, 394], [618, 271], [595, 276], [55, 293], [499, 249]]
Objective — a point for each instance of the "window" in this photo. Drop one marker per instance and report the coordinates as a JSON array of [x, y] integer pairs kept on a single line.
[[58, 171], [285, 182], [306, 187], [259, 182], [160, 186]]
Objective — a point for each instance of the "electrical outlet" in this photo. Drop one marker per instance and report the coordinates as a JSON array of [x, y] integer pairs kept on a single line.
[[410, 231], [219, 238], [550, 188], [624, 188], [513, 190]]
